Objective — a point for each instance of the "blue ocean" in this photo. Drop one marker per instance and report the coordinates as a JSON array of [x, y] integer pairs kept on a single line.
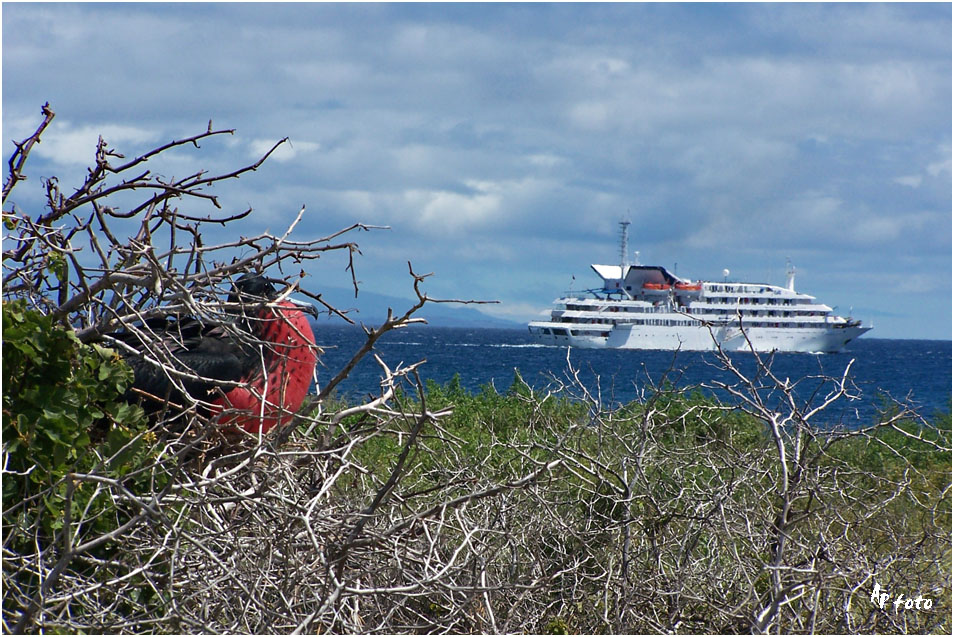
[[916, 372]]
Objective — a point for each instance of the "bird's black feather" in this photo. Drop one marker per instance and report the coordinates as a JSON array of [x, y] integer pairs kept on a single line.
[[217, 352], [221, 353], [214, 352]]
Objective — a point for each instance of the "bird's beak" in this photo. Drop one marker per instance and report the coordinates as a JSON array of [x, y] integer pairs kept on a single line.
[[304, 306]]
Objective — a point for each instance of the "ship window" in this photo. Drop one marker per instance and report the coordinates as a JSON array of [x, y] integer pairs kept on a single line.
[[558, 331], [546, 330]]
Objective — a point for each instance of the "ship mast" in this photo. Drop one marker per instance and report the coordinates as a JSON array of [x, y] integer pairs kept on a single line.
[[623, 247]]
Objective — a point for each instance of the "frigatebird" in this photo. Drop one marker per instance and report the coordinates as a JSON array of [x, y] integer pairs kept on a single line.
[[252, 372]]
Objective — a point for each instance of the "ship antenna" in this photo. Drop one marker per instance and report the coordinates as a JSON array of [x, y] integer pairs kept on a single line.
[[623, 246], [790, 272]]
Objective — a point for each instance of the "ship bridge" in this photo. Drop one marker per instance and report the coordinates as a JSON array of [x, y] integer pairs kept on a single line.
[[639, 279]]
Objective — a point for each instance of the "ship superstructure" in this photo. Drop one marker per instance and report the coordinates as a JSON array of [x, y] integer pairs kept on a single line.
[[648, 307]]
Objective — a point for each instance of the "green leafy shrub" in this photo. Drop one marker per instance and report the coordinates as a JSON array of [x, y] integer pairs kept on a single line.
[[63, 414]]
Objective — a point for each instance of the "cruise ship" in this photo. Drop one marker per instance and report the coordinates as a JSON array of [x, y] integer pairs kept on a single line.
[[649, 307]]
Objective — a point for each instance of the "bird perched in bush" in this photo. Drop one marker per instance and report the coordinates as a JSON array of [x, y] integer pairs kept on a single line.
[[252, 372]]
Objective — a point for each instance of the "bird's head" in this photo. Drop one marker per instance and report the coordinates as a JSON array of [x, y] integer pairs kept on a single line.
[[256, 288], [252, 287]]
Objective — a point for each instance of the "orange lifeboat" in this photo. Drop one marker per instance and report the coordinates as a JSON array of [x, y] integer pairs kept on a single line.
[[691, 287], [656, 286]]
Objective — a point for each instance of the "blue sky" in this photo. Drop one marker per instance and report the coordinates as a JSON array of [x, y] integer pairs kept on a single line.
[[503, 143]]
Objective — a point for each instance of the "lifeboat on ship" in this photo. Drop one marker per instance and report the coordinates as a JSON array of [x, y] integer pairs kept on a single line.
[[656, 286], [688, 286]]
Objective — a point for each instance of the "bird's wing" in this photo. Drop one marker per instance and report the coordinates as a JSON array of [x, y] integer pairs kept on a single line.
[[207, 351]]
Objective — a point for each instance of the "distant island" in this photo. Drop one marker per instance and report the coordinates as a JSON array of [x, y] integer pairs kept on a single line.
[[371, 309]]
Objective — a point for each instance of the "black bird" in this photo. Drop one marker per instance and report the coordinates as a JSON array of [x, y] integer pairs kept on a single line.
[[269, 351]]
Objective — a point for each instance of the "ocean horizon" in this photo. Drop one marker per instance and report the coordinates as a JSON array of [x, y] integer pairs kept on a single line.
[[915, 372]]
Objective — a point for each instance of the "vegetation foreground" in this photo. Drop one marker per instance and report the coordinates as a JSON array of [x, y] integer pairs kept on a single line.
[[446, 511]]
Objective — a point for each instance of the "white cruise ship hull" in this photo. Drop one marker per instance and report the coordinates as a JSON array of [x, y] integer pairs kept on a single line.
[[699, 338], [648, 307]]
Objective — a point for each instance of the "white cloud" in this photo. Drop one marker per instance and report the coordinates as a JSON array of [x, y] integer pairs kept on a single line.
[[877, 230], [943, 166], [611, 66], [442, 212], [66, 145], [591, 115], [516, 311], [545, 160], [360, 203], [933, 170], [884, 229], [888, 83], [911, 181]]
